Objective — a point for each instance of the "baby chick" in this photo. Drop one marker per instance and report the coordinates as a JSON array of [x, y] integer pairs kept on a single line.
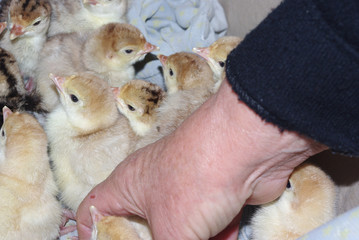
[[138, 100], [28, 22], [109, 51], [27, 188], [185, 71], [307, 203], [118, 228], [88, 137], [189, 82], [13, 92], [84, 15], [216, 55]]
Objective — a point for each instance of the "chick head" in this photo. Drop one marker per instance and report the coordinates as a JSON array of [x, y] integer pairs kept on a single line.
[[183, 71], [28, 18], [138, 99], [121, 45], [308, 200], [87, 101], [216, 54]]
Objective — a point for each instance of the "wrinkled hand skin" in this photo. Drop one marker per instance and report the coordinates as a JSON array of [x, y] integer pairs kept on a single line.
[[194, 182]]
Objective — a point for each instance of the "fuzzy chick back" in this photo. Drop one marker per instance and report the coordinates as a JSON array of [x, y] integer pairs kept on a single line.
[[84, 15], [28, 192], [307, 203], [139, 100]]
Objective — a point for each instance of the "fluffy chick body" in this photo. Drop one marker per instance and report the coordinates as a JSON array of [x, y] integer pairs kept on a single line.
[[28, 192], [88, 138], [189, 81], [12, 89], [138, 100], [307, 203], [216, 56], [28, 22], [110, 51], [119, 228], [84, 15]]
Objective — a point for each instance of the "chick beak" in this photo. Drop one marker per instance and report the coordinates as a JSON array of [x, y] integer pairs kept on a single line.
[[91, 2], [16, 31], [148, 47], [6, 112], [162, 58], [2, 26], [115, 91], [203, 52], [59, 82]]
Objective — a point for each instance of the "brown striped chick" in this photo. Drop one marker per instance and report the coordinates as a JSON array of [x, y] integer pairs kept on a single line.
[[13, 92], [307, 203], [88, 137], [118, 228], [84, 15], [109, 51], [27, 188], [28, 22], [216, 56], [189, 82], [138, 100]]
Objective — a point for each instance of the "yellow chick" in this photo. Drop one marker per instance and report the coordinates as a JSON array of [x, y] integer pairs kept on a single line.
[[84, 15], [184, 70], [216, 56], [27, 188], [28, 22], [189, 82], [138, 100], [118, 228], [109, 51], [307, 203], [88, 137]]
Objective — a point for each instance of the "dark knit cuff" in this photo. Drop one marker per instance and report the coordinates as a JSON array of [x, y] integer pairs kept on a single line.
[[298, 71]]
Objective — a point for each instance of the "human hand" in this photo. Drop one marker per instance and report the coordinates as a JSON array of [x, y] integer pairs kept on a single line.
[[194, 182]]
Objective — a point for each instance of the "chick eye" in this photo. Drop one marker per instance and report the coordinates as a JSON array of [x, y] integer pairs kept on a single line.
[[74, 98], [2, 133], [289, 186], [37, 23], [128, 51], [131, 108], [171, 72], [221, 63]]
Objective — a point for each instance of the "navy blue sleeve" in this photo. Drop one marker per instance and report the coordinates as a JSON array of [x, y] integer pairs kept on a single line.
[[299, 69]]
